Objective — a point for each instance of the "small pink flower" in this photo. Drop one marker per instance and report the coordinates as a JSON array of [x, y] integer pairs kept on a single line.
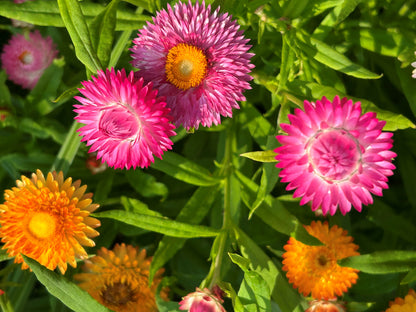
[[198, 59], [325, 306], [202, 301], [126, 123], [25, 58], [21, 1], [334, 156]]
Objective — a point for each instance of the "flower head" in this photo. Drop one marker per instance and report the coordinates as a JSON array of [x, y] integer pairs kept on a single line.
[[126, 123], [119, 279], [25, 58], [325, 306], [198, 59], [21, 1], [314, 269], [407, 304], [203, 301], [47, 220], [334, 156]]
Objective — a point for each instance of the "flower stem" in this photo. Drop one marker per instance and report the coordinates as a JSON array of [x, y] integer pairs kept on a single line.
[[5, 304]]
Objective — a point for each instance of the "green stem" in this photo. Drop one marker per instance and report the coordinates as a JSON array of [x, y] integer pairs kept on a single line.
[[68, 150]]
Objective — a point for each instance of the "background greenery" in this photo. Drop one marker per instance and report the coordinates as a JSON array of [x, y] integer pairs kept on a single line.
[[205, 212]]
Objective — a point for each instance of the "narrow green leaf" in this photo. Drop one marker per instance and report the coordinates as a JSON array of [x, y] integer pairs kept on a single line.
[[68, 150], [159, 224], [258, 126], [312, 90], [382, 262], [259, 262], [273, 212], [46, 13], [119, 47], [328, 56], [146, 184], [409, 278], [388, 42], [408, 88], [347, 7], [4, 256], [70, 294], [137, 206], [183, 169], [76, 25], [261, 156], [194, 211], [254, 292], [102, 32]]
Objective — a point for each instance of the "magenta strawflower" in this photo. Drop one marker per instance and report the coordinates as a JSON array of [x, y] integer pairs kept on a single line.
[[25, 58], [198, 59], [334, 156], [126, 123], [203, 301]]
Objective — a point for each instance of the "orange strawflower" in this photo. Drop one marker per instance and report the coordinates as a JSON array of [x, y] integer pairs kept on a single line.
[[314, 269], [119, 279], [47, 220], [408, 304]]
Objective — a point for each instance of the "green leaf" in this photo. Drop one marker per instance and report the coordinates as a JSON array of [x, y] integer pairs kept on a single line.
[[388, 42], [78, 31], [68, 150], [382, 262], [254, 292], [137, 206], [261, 156], [159, 224], [70, 294], [258, 261], [194, 211], [185, 170], [328, 56], [43, 94], [258, 126], [46, 13], [347, 7], [102, 32], [409, 278], [273, 212], [4, 256]]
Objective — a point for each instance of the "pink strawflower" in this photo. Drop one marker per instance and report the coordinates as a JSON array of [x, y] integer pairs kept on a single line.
[[335, 156], [25, 58], [126, 123], [21, 1], [198, 59], [326, 306], [202, 301]]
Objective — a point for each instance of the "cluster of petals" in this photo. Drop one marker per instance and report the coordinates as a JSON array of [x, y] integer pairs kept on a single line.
[[25, 58], [119, 279], [47, 219], [314, 269], [203, 301], [198, 59], [335, 156], [406, 304], [125, 121]]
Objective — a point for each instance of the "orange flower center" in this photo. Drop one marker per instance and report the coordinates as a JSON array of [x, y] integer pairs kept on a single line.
[[42, 225], [185, 66]]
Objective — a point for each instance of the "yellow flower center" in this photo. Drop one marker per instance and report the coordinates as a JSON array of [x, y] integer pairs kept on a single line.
[[42, 225], [185, 66]]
